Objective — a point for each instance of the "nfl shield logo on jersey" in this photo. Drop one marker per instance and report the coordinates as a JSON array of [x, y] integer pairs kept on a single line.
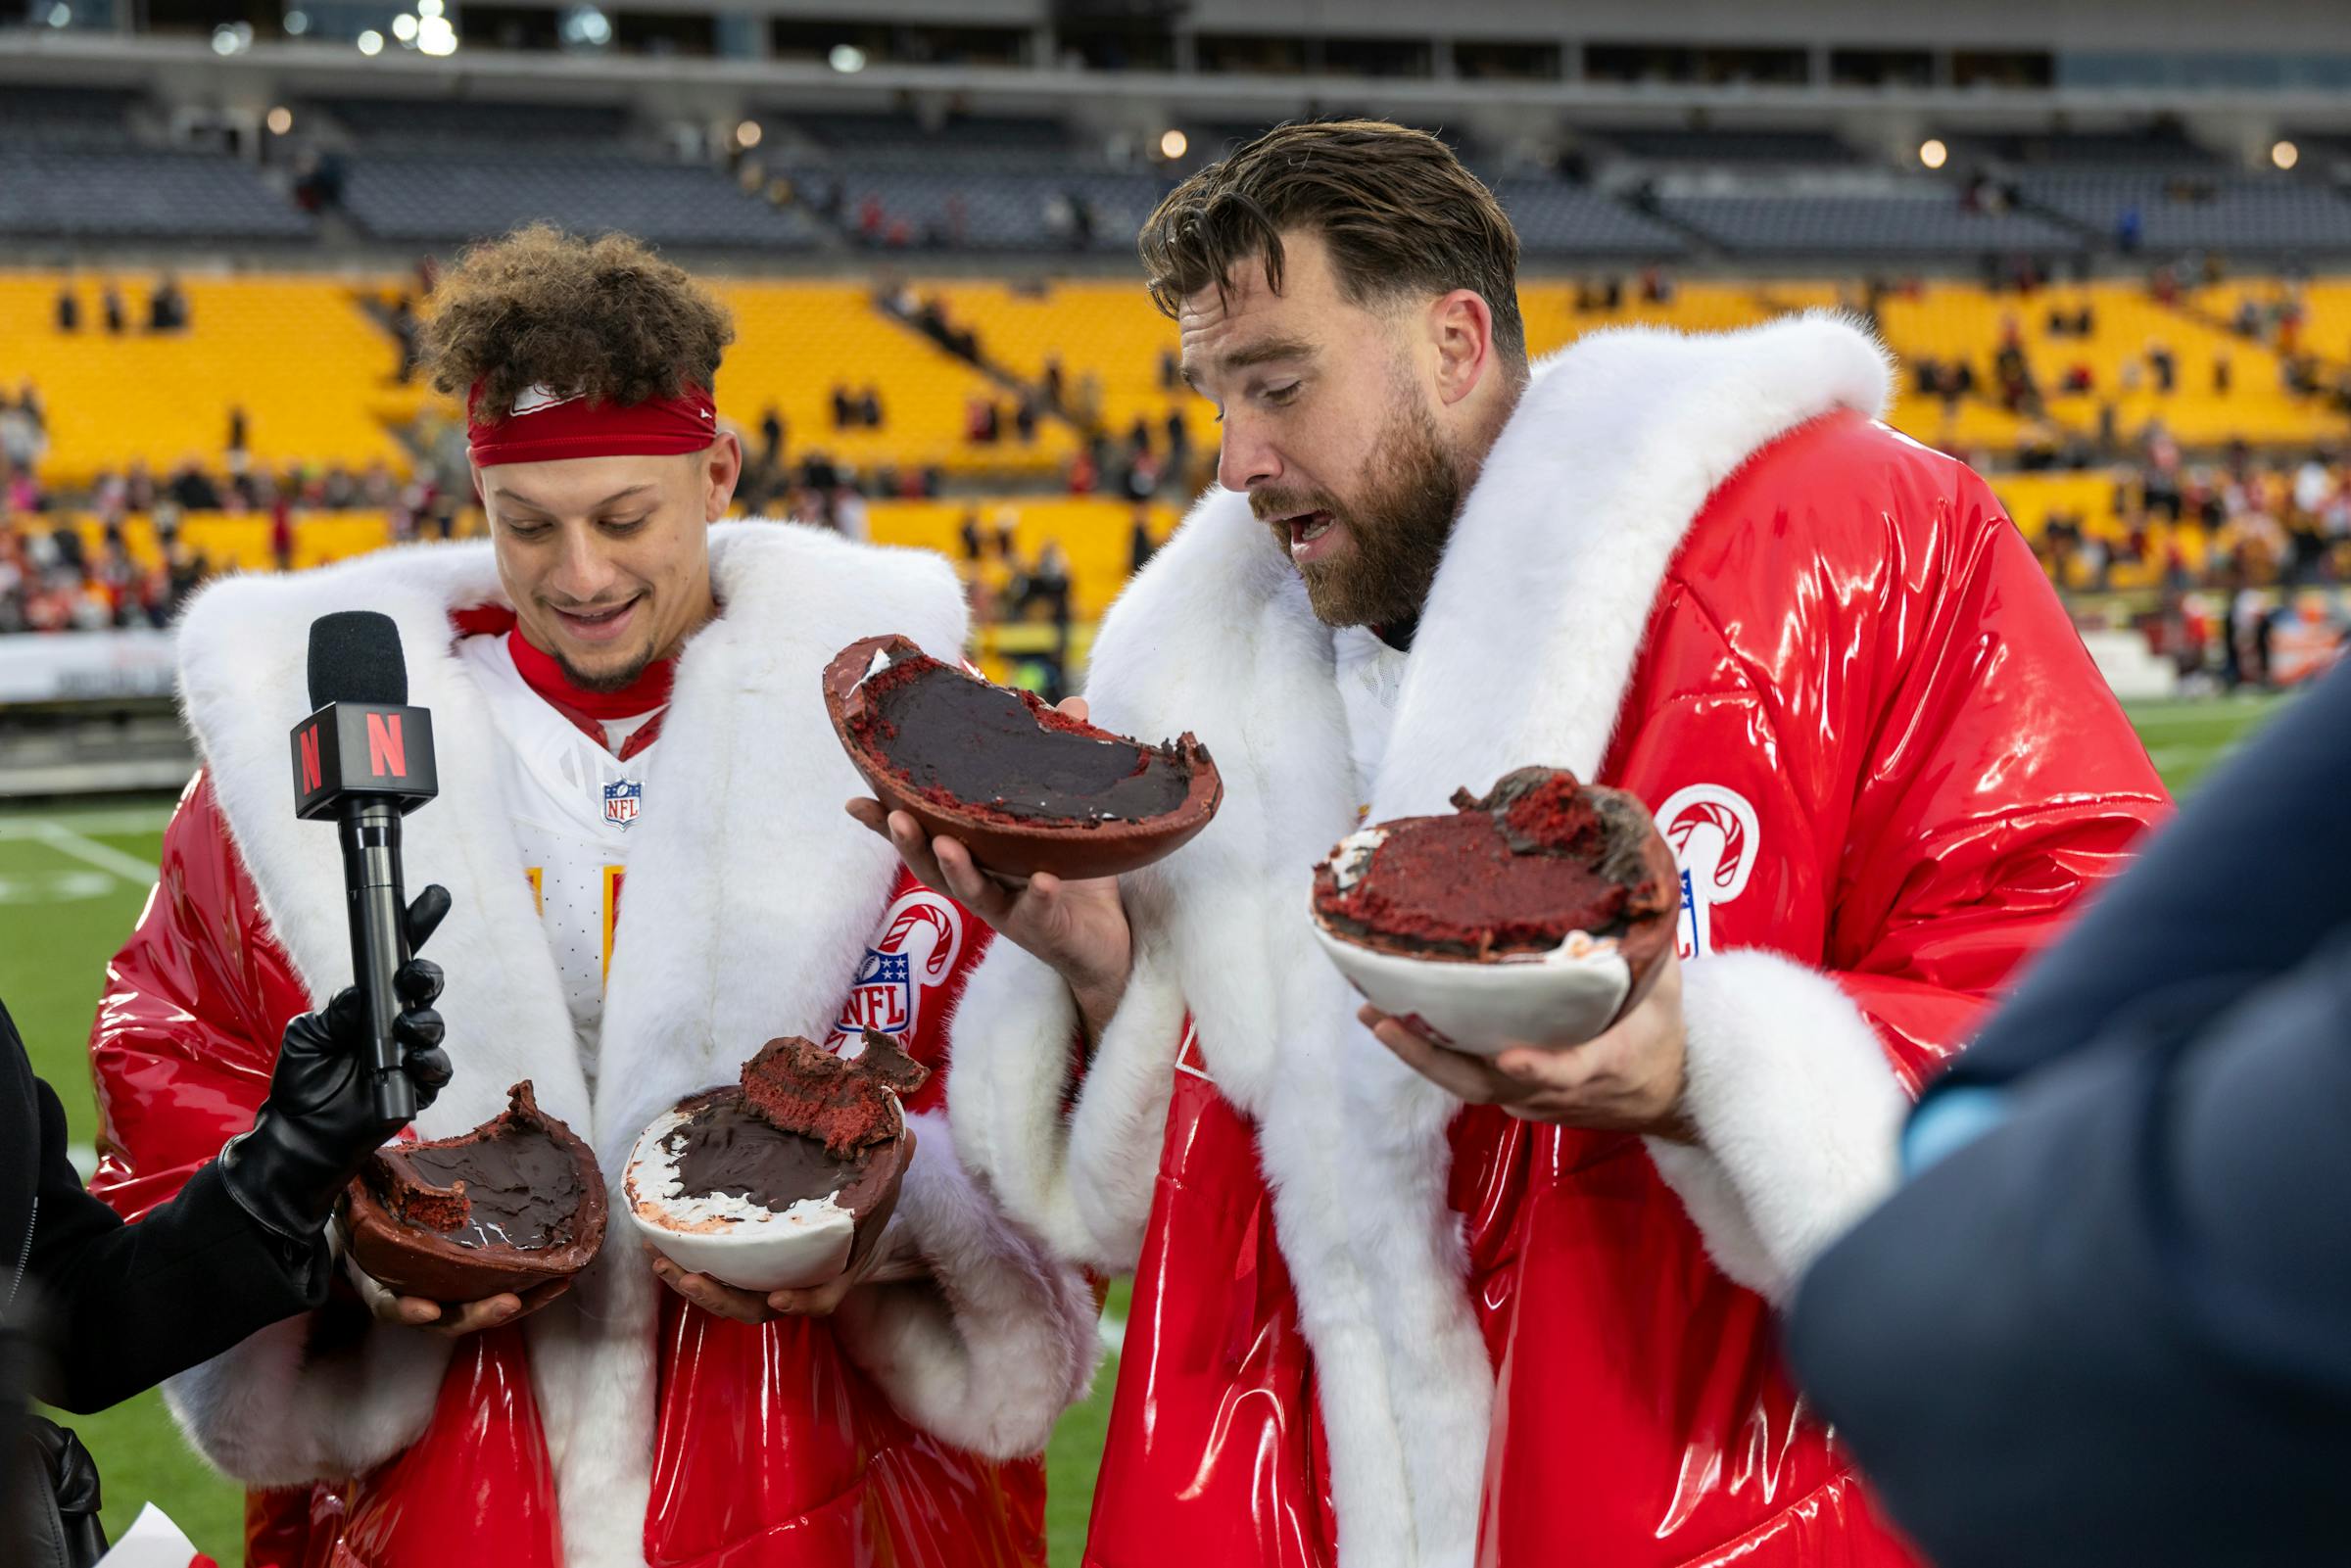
[[622, 801], [921, 935]]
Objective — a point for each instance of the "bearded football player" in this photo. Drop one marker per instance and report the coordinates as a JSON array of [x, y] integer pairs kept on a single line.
[[638, 825], [1396, 1306]]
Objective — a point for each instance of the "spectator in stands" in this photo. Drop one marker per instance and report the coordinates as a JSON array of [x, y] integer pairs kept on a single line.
[[2014, 373], [1141, 547], [849, 514], [22, 438], [1052, 380], [377, 488], [981, 423], [109, 304], [1024, 420], [238, 432], [843, 413], [192, 489], [1171, 375], [2163, 366], [1143, 478], [771, 438], [1048, 584], [69, 308], [404, 334], [167, 307], [281, 532], [869, 406], [967, 535]]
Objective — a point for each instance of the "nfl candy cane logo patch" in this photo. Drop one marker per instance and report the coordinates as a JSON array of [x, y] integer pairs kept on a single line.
[[921, 936], [624, 799], [1715, 836]]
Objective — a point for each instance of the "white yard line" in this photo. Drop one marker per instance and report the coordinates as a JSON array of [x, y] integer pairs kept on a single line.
[[139, 819], [107, 858]]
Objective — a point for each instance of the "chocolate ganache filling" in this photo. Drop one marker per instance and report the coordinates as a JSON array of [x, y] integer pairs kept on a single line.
[[966, 741], [728, 1148], [522, 1188]]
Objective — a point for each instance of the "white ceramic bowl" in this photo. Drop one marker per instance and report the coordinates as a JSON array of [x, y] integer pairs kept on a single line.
[[1562, 997], [731, 1239]]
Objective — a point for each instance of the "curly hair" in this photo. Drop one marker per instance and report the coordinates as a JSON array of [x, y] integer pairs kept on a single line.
[[605, 319]]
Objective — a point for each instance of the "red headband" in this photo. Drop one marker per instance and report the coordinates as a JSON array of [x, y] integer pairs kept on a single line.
[[544, 427]]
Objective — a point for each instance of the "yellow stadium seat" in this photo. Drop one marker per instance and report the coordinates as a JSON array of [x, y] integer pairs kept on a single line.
[[314, 373], [796, 341]]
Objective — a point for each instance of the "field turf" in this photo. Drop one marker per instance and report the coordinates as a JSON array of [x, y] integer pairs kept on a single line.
[[71, 884]]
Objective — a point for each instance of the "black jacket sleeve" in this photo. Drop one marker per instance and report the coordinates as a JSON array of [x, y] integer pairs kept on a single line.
[[117, 1308]]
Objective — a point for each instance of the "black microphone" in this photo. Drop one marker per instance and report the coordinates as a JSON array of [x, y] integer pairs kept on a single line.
[[365, 758]]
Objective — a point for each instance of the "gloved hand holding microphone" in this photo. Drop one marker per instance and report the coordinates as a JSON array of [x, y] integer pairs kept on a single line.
[[322, 1120]]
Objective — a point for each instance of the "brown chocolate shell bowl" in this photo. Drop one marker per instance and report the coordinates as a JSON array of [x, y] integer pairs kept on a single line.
[[1025, 787], [514, 1204], [1539, 912], [784, 1179]]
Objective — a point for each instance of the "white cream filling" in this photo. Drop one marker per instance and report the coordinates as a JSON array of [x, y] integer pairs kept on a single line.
[[1350, 857], [880, 663], [1579, 947], [652, 1183]]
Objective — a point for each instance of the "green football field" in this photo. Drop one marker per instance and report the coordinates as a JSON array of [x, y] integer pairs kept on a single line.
[[71, 883]]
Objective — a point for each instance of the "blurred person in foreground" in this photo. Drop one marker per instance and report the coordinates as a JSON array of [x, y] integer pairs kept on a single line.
[[2108, 1320], [1394, 1306], [639, 821]]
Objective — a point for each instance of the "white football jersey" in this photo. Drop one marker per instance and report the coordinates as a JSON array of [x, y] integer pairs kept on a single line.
[[1371, 677], [572, 804]]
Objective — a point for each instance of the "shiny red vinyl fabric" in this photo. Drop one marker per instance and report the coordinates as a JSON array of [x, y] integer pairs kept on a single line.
[[772, 1449], [1916, 775]]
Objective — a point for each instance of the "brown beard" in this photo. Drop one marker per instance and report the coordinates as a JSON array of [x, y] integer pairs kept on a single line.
[[1398, 526]]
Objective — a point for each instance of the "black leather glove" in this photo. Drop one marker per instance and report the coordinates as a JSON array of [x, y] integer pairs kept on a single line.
[[320, 1123]]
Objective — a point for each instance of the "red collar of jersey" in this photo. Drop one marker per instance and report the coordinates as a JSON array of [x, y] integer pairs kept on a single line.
[[545, 676], [587, 710]]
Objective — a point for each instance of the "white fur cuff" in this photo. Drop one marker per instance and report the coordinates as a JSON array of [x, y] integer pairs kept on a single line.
[[987, 1353], [270, 1415], [1798, 1115], [1081, 1178]]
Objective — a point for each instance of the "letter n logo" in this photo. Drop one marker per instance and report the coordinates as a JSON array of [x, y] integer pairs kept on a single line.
[[312, 778], [387, 752]]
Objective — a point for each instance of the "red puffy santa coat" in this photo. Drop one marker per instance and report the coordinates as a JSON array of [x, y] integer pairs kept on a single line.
[[618, 1425], [1371, 1328]]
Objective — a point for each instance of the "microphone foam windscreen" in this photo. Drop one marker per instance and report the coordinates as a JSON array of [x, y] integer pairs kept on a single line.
[[356, 657]]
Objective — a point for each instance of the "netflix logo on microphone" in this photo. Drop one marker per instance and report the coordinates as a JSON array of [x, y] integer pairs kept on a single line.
[[349, 750]]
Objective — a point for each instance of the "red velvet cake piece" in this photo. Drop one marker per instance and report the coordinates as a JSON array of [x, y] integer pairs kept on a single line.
[[846, 1105], [1515, 872]]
